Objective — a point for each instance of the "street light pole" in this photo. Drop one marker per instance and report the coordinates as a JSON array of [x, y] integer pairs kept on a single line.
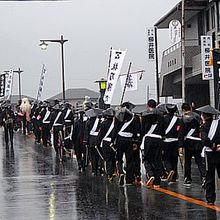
[[19, 71], [61, 41]]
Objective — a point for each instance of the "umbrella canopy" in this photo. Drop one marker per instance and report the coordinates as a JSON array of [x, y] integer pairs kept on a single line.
[[128, 105], [56, 107], [93, 112], [208, 109], [162, 108], [123, 114], [191, 116], [154, 111], [109, 112]]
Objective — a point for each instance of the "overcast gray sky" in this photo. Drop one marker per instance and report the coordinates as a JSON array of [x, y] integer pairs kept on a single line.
[[92, 27]]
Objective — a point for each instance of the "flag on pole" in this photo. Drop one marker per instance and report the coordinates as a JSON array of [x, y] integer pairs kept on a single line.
[[8, 84], [117, 58], [41, 84], [131, 84], [2, 84]]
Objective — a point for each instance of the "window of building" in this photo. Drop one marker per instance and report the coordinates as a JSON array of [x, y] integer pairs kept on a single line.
[[207, 21], [213, 17], [218, 15]]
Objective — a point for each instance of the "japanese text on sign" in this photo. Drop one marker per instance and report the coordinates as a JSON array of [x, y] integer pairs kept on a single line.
[[150, 44], [206, 46]]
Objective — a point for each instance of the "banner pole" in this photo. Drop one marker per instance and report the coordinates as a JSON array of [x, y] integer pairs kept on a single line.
[[123, 94]]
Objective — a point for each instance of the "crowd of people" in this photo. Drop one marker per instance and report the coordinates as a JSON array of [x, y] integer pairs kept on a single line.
[[116, 141]]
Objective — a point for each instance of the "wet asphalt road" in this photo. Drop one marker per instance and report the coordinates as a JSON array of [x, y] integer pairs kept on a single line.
[[34, 185]]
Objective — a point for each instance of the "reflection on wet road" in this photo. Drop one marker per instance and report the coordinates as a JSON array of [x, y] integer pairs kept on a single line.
[[34, 185]]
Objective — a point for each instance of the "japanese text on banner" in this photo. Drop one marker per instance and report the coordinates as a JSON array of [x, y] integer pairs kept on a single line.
[[117, 58]]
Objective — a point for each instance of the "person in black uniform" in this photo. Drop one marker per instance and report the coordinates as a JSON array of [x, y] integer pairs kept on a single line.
[[210, 134], [124, 137], [68, 126], [153, 133], [190, 140], [170, 146], [78, 137], [104, 141], [136, 144], [92, 128], [56, 124], [45, 117], [8, 120]]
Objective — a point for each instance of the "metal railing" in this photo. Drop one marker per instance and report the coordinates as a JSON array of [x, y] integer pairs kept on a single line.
[[171, 49]]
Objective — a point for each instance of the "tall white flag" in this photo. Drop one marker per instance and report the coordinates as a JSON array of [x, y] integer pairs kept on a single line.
[[117, 58], [8, 84], [41, 84], [131, 84]]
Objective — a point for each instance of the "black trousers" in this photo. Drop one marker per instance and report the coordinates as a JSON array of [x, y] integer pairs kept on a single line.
[[45, 134], [56, 131], [213, 162], [80, 151], [125, 147], [170, 157], [152, 158], [137, 162], [94, 156], [8, 133], [189, 153], [109, 157]]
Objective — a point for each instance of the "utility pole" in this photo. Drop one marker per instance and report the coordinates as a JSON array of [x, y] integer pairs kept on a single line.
[[183, 52], [157, 68]]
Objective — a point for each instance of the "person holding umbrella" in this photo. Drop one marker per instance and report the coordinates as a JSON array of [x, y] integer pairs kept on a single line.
[[104, 141], [210, 135], [123, 137]]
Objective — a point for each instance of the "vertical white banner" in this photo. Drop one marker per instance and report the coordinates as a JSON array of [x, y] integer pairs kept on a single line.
[[41, 84], [131, 84], [8, 84], [206, 46], [175, 31], [151, 53], [117, 58], [2, 84]]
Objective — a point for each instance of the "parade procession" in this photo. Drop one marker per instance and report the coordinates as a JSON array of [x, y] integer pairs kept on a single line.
[[116, 118]]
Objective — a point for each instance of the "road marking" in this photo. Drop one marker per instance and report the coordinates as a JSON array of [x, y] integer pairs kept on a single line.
[[186, 198]]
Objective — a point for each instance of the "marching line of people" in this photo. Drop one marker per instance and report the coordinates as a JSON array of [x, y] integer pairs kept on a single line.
[[117, 141]]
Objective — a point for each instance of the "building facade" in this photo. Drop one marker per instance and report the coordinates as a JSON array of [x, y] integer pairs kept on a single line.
[[202, 17]]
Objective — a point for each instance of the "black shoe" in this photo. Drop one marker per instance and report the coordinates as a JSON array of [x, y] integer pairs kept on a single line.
[[187, 182], [210, 203], [121, 179], [138, 180]]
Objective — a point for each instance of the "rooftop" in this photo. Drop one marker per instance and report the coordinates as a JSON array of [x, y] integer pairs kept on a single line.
[[77, 93], [192, 7]]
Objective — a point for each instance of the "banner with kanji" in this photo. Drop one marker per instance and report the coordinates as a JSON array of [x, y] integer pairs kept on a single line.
[[41, 84], [117, 58], [2, 84], [8, 84], [131, 81]]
